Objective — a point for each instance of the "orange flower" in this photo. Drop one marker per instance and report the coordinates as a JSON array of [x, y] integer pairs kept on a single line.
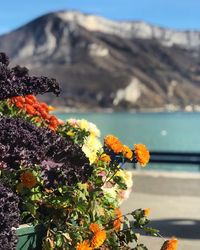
[[51, 108], [28, 179], [170, 244], [105, 158], [29, 101], [30, 109], [127, 152], [44, 106], [142, 154], [85, 245], [94, 227], [31, 97], [113, 143], [20, 105], [98, 239], [117, 223], [146, 212], [19, 99]]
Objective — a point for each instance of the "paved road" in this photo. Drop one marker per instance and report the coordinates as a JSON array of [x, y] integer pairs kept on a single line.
[[175, 206]]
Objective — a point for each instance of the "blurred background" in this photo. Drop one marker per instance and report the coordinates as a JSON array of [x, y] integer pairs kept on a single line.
[[133, 68]]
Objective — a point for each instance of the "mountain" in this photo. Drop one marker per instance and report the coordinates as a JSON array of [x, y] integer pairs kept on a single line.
[[107, 64]]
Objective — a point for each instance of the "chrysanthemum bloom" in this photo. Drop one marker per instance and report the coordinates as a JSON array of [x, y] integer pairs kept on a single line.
[[142, 154], [94, 227], [85, 245], [170, 244], [98, 239], [146, 212], [28, 179], [105, 158], [91, 147], [117, 223], [127, 152], [113, 143]]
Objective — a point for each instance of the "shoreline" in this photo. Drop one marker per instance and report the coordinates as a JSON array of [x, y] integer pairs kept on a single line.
[[62, 109]]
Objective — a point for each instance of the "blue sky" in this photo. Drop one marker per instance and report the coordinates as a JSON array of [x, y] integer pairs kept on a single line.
[[179, 14]]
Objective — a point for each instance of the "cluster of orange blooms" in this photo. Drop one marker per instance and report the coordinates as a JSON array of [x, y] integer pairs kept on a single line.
[[140, 151], [40, 110], [99, 236]]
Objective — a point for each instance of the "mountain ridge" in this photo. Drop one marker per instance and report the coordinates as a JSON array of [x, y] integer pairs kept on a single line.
[[104, 67]]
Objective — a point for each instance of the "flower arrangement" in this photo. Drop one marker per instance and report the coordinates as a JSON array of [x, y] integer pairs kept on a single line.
[[60, 175]]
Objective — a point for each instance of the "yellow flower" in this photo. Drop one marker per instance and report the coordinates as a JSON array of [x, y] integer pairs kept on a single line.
[[94, 130], [83, 124], [91, 147], [105, 158], [28, 179], [85, 245], [98, 239], [170, 244], [146, 212], [142, 154], [70, 133]]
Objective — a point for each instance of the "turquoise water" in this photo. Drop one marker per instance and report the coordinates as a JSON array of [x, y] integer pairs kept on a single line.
[[159, 131]]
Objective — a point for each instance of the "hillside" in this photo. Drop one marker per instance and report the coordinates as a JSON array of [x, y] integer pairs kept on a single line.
[[106, 64]]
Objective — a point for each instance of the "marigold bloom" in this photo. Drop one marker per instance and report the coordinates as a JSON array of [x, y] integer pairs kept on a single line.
[[170, 244], [105, 158], [146, 212], [85, 245], [94, 227], [28, 179], [117, 223], [98, 239], [113, 143], [142, 154], [127, 152]]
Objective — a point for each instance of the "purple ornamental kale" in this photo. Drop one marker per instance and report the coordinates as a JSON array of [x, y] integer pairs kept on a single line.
[[9, 218], [22, 143], [17, 82]]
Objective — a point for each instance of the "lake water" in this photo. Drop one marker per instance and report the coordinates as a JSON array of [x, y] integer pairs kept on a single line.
[[159, 131]]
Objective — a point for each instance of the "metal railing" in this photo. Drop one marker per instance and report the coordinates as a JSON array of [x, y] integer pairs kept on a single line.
[[175, 157]]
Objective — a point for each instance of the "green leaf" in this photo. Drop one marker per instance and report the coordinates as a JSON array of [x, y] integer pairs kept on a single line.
[[58, 240], [151, 231]]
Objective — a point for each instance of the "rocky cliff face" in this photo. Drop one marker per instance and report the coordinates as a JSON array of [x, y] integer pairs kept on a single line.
[[106, 64]]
